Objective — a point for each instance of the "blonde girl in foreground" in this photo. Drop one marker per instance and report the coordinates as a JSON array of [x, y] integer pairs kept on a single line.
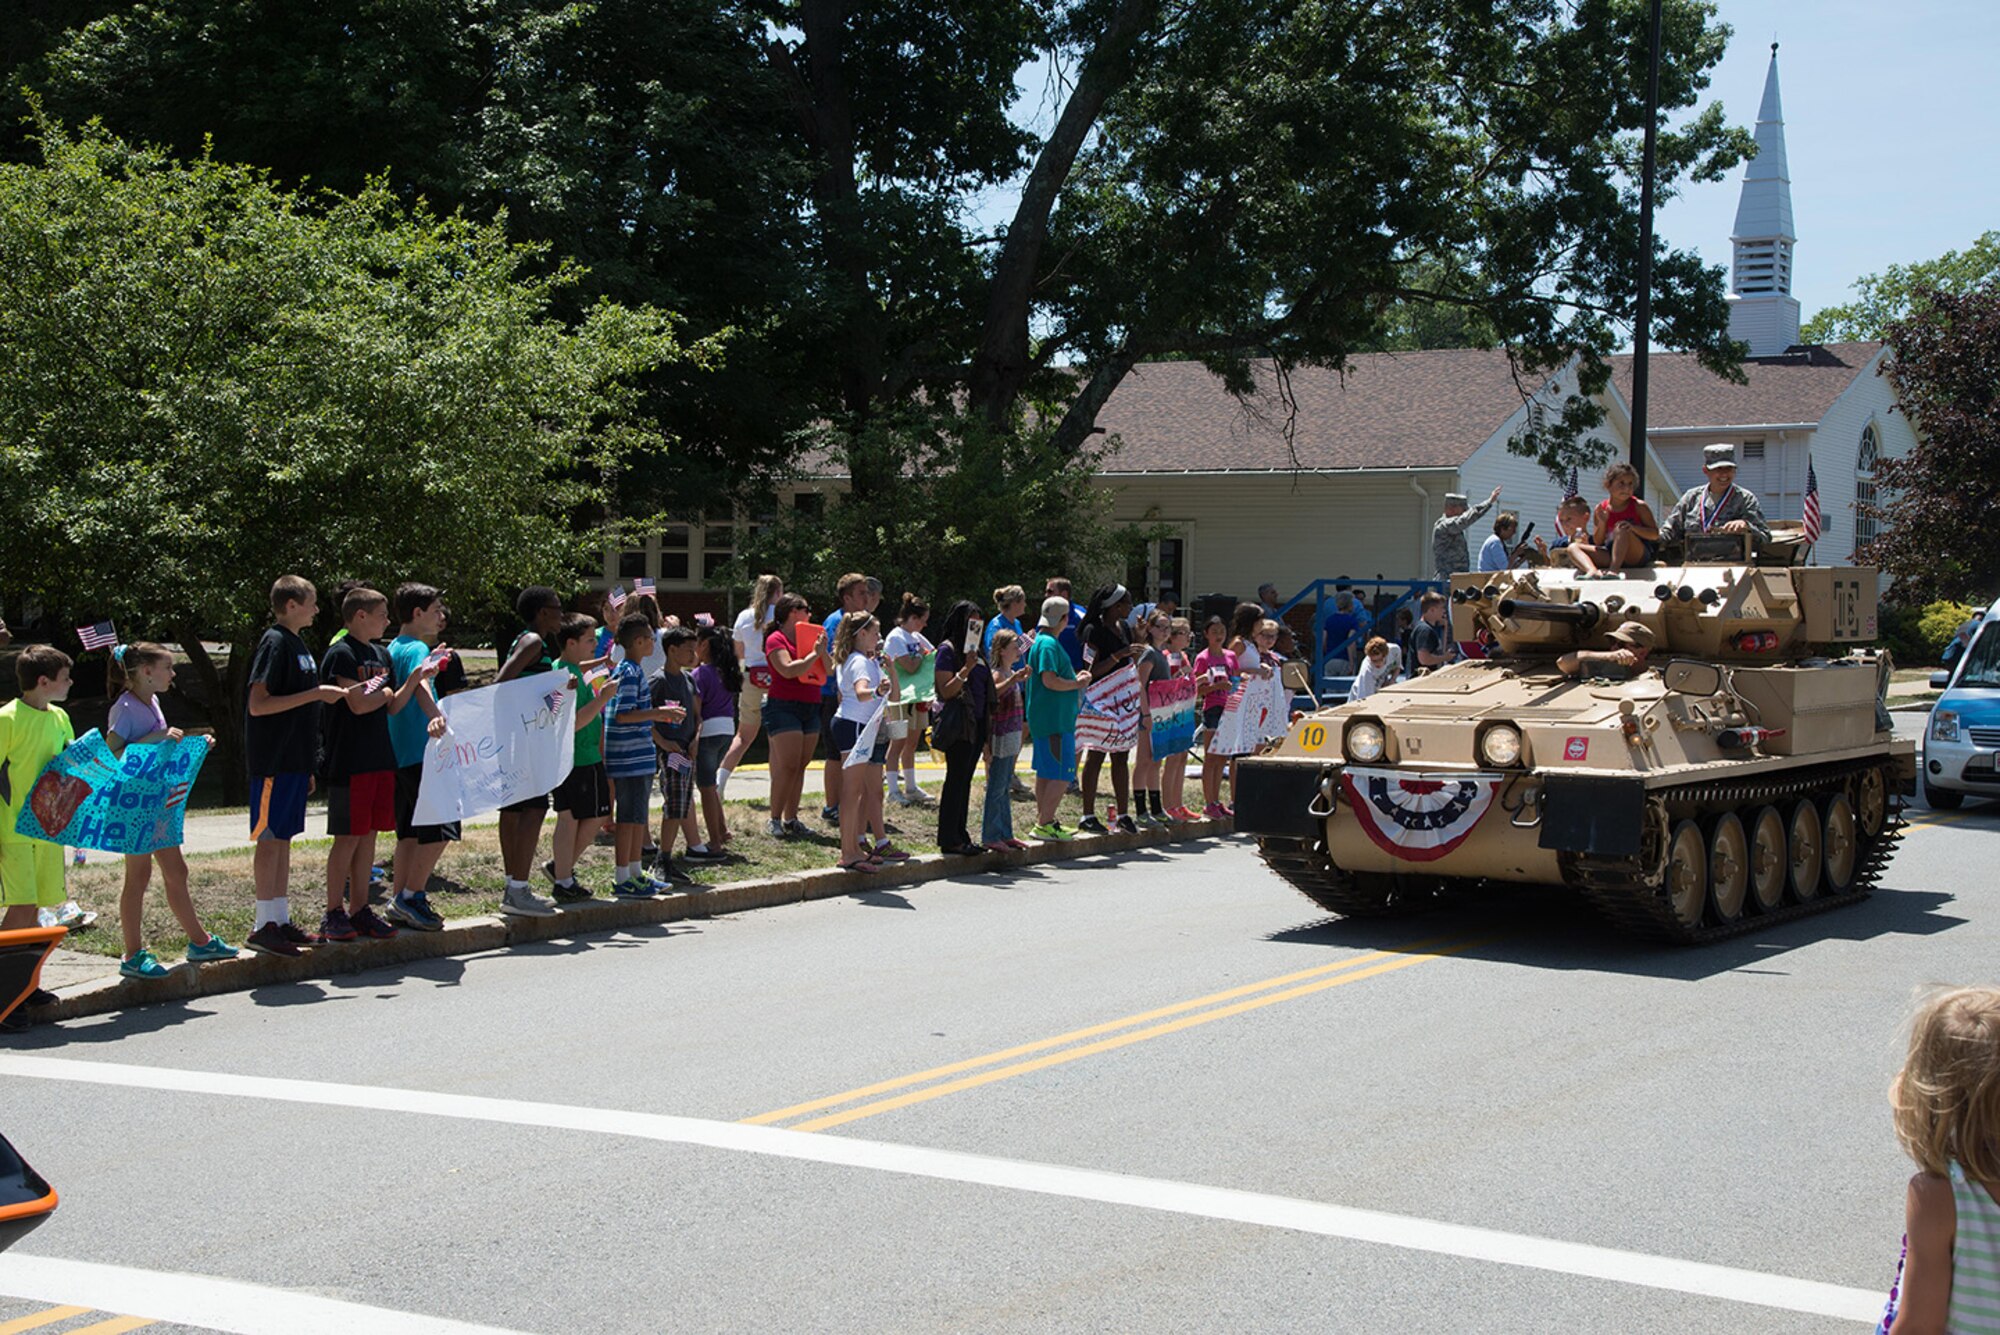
[[1946, 1102]]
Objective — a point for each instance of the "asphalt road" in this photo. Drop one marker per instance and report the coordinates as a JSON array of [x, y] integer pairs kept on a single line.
[[1518, 1119]]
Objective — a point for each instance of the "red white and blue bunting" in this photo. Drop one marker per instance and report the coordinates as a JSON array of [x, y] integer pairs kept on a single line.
[[1417, 817]]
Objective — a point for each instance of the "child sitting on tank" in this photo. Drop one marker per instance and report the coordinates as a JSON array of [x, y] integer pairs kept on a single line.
[[1634, 640]]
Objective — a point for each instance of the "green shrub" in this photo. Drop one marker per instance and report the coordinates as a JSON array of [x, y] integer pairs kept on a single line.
[[1917, 636]]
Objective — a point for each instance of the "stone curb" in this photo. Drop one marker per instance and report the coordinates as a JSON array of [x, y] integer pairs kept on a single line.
[[468, 936]]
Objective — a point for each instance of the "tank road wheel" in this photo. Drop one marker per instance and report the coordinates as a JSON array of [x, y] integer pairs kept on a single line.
[[1841, 842], [1687, 873], [1728, 868], [1871, 803], [1767, 859], [1804, 844]]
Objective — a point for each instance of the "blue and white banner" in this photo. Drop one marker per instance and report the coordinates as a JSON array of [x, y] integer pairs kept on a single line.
[[131, 803]]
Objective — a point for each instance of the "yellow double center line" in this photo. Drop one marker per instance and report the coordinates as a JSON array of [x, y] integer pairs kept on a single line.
[[1003, 1065]]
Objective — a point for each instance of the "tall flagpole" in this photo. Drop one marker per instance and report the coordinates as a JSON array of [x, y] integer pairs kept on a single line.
[[1643, 318]]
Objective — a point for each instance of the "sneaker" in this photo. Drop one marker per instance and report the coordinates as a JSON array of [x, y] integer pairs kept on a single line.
[[1092, 825], [918, 797], [831, 815], [1128, 825], [1020, 792], [74, 916], [142, 965], [798, 829], [298, 936], [1053, 832], [211, 950], [575, 892], [779, 831], [270, 940], [373, 928], [900, 798], [709, 854], [1214, 811], [667, 876], [525, 903], [888, 852], [336, 926], [640, 889], [412, 910]]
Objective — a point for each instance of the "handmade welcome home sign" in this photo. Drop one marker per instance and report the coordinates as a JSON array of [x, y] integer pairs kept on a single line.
[[501, 744], [1109, 719], [1172, 705], [136, 802]]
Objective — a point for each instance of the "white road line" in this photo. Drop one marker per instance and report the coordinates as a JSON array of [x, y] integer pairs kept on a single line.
[[202, 1300], [1183, 1198]]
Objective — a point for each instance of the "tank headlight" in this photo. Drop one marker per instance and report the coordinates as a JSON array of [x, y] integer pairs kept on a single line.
[[1944, 725], [1501, 745], [1364, 742]]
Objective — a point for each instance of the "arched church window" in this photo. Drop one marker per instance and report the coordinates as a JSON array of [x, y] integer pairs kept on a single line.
[[1865, 524]]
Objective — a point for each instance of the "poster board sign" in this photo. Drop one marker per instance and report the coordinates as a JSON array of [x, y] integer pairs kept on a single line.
[[131, 803], [1256, 711], [1109, 719], [864, 741], [1172, 705], [501, 744], [810, 634], [919, 687]]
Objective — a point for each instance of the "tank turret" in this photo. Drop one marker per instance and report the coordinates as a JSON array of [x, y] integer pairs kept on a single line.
[[1731, 766]]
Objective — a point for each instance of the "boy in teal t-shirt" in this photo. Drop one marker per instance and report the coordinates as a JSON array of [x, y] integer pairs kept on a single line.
[[34, 730], [1054, 698]]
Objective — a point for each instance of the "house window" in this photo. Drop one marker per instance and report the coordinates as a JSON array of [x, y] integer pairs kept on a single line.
[[718, 548], [632, 564], [674, 544], [1866, 526]]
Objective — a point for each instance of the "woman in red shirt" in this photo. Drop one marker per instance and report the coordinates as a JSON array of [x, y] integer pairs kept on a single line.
[[791, 711]]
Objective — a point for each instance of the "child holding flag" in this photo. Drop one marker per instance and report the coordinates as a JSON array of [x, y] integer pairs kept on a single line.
[[136, 719], [583, 800]]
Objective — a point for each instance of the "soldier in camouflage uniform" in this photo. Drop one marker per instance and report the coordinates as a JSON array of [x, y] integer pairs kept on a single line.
[[1718, 506], [1448, 547]]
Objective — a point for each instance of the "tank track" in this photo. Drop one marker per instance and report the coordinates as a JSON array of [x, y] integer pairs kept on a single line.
[[1631, 899], [1635, 899]]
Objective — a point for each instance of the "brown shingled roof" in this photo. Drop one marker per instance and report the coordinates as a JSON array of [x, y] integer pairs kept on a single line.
[[1796, 386], [1391, 410]]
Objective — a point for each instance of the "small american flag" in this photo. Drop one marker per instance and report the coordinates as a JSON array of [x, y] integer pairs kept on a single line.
[[1811, 514], [1569, 489], [678, 763], [615, 599], [375, 683], [100, 636], [438, 657], [642, 588], [703, 619]]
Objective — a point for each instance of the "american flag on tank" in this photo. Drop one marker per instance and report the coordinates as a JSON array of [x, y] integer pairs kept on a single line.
[[100, 636], [1811, 512]]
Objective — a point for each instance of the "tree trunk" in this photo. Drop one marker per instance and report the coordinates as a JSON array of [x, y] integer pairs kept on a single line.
[[1078, 421], [1001, 364], [222, 687]]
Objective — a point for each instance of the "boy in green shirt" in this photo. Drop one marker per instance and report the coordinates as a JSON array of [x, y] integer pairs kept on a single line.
[[34, 730], [583, 800]]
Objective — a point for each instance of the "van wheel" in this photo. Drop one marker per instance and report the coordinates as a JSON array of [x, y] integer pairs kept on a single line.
[[1942, 799]]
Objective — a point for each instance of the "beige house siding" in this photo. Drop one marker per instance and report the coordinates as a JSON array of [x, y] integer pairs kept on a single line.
[[1243, 529]]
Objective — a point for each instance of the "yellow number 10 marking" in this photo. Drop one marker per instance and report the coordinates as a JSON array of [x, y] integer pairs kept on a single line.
[[1313, 736]]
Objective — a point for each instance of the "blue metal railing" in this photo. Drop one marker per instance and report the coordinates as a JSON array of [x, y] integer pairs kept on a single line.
[[1331, 675]]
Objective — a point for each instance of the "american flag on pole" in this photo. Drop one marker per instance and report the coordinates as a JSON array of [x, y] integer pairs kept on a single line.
[[100, 636], [1811, 513]]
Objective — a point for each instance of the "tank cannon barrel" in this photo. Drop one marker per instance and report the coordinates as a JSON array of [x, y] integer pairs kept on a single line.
[[1580, 615]]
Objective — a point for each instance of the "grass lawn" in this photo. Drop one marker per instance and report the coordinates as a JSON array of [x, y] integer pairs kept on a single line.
[[469, 878]]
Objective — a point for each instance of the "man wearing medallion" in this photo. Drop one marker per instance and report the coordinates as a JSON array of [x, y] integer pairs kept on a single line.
[[1720, 507]]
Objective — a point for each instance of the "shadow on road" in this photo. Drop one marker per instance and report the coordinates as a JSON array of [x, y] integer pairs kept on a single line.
[[1547, 928]]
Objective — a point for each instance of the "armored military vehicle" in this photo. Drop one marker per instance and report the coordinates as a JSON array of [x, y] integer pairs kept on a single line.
[[1742, 771]]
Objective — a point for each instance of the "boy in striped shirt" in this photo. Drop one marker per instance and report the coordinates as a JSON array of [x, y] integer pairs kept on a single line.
[[629, 756]]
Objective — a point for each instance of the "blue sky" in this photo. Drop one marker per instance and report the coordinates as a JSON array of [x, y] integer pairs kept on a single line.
[[1890, 127], [1890, 130]]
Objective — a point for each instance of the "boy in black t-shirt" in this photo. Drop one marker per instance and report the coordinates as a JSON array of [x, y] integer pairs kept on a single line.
[[281, 737], [360, 770]]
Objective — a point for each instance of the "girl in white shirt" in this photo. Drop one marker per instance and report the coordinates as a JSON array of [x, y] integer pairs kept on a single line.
[[749, 636], [867, 685], [907, 648]]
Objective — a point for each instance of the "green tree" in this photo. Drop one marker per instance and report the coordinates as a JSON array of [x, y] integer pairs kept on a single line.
[[206, 382], [1883, 298], [1937, 539]]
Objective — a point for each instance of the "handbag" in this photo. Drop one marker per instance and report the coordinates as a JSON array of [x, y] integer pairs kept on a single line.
[[951, 722]]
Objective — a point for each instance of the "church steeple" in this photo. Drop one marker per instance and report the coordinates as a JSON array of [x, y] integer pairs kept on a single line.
[[1762, 310]]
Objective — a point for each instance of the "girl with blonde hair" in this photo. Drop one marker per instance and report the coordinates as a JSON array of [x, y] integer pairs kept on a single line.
[[1946, 1104]]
